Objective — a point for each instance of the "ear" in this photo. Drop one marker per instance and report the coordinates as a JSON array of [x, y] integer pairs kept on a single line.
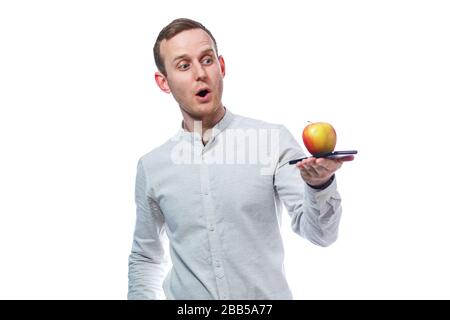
[[222, 66], [161, 81]]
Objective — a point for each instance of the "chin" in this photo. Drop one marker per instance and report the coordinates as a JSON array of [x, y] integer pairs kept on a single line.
[[204, 109]]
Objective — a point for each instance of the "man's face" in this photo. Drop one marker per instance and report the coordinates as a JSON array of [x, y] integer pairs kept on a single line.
[[194, 72]]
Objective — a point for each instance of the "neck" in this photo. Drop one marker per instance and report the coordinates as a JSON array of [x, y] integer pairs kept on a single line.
[[208, 121]]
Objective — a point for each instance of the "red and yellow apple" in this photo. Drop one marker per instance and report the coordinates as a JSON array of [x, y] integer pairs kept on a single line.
[[319, 137]]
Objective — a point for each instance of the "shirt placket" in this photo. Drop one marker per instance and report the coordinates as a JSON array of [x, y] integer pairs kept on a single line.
[[213, 236]]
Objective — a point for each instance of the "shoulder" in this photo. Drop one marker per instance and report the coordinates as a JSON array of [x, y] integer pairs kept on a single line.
[[263, 127], [248, 122], [158, 156]]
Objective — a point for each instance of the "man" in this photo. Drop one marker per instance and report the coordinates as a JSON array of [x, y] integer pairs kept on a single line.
[[222, 216]]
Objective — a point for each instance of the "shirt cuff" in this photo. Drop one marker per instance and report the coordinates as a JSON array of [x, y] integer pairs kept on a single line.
[[324, 185]]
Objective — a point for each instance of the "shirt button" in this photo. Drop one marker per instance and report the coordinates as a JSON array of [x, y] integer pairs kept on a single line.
[[217, 265], [211, 227]]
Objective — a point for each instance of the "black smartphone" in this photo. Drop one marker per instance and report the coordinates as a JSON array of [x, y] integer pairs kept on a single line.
[[331, 155]]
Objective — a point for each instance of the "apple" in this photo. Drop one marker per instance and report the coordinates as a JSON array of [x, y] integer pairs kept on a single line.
[[319, 137]]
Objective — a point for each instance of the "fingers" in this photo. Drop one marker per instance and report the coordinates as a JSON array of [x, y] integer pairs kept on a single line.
[[346, 158], [328, 165], [313, 171], [321, 167], [314, 168], [318, 170]]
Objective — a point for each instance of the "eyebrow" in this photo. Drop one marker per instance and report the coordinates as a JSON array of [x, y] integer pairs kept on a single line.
[[183, 56]]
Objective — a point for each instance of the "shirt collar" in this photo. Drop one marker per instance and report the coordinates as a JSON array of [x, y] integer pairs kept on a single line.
[[219, 127]]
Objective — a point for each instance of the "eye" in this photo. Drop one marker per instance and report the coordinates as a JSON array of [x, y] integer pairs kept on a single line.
[[183, 66], [207, 60]]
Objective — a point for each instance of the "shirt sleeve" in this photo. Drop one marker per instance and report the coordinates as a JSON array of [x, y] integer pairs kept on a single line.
[[147, 263], [315, 214]]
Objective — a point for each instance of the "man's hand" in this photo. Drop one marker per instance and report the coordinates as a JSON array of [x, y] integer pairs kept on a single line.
[[317, 171]]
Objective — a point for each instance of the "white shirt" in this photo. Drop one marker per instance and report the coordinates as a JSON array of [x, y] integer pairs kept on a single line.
[[220, 205]]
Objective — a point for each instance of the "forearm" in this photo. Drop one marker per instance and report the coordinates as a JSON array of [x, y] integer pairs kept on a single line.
[[319, 220], [147, 264], [145, 278]]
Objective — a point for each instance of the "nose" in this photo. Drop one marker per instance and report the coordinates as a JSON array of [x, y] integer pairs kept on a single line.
[[200, 72]]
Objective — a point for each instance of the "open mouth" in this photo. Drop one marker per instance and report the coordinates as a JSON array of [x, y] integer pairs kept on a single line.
[[202, 93]]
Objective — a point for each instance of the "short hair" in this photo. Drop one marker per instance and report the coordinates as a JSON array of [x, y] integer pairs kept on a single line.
[[170, 31]]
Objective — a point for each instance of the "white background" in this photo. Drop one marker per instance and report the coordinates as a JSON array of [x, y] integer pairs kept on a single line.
[[79, 106]]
